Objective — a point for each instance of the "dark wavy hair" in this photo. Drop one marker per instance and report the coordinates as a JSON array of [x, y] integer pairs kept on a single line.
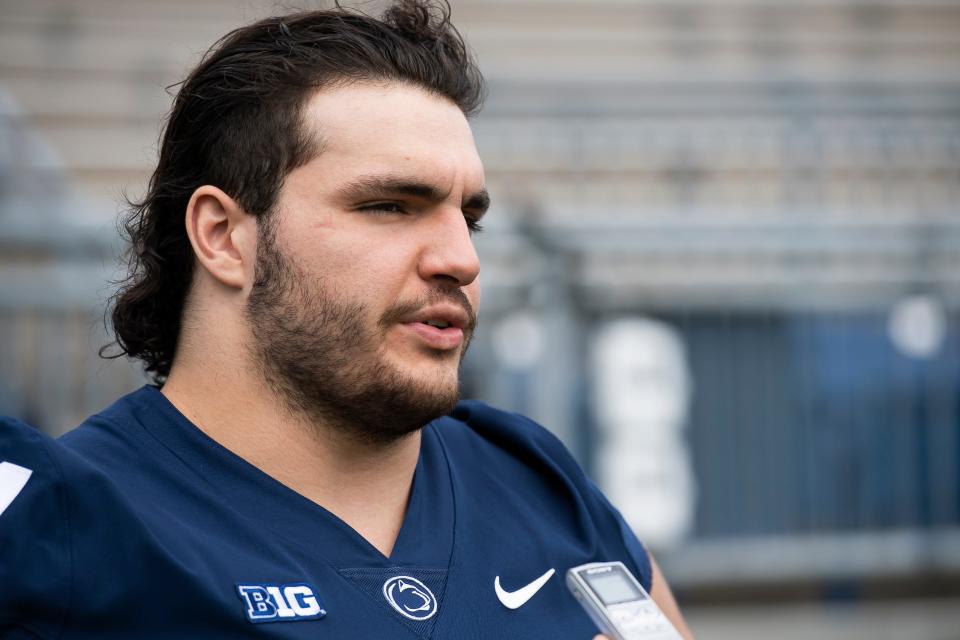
[[236, 124]]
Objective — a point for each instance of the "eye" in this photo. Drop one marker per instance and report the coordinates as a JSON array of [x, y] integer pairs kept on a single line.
[[473, 224], [383, 207]]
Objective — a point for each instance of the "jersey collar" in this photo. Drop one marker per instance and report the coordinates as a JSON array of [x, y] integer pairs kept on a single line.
[[425, 538]]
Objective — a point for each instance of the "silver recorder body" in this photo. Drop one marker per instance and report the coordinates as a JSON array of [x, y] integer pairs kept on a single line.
[[617, 603]]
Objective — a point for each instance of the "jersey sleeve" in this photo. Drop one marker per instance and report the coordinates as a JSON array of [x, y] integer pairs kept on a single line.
[[35, 546], [638, 553]]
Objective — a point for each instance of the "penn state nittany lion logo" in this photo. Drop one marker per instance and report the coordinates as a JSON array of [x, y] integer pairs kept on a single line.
[[410, 597]]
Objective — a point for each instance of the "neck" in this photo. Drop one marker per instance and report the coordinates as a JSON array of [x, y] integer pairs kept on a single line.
[[365, 484]]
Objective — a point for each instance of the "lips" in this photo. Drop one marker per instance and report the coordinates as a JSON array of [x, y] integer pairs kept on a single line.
[[440, 317], [436, 338], [440, 327]]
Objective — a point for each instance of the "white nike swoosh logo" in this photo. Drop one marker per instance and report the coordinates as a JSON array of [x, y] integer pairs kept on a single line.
[[518, 598], [13, 478]]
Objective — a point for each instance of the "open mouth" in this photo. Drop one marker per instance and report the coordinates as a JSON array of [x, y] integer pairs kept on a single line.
[[438, 334]]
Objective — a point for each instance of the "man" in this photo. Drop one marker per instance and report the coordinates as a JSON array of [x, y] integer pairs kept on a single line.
[[303, 286]]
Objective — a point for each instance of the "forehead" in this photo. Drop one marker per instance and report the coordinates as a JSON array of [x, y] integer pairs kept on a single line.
[[392, 128]]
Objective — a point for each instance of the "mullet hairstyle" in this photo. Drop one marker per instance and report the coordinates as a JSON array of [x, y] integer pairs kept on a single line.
[[236, 123]]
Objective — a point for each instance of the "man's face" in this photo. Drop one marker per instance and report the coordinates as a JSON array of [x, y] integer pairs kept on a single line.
[[366, 276]]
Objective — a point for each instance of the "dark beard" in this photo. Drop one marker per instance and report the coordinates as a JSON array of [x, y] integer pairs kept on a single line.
[[317, 354]]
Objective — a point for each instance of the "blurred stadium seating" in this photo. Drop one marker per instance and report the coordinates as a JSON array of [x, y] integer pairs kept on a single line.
[[774, 184]]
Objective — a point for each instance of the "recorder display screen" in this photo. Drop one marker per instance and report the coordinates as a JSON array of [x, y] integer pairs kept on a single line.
[[613, 587]]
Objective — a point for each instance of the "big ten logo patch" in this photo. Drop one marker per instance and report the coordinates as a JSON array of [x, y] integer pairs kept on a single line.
[[280, 602]]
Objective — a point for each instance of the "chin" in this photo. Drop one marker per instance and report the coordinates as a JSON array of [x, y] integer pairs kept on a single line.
[[438, 377]]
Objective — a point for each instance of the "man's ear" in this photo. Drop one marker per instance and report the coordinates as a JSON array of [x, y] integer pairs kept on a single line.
[[223, 236]]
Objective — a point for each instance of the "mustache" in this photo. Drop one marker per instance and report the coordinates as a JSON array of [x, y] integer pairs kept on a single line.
[[457, 297]]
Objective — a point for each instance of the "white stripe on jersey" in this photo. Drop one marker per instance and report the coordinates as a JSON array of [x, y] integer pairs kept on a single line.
[[13, 478]]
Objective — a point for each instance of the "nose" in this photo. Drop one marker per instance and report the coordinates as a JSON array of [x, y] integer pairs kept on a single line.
[[449, 254]]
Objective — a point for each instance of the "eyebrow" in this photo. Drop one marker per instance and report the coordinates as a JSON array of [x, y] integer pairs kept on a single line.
[[389, 186]]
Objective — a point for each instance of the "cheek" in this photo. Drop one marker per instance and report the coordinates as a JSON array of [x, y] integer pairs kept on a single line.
[[376, 279]]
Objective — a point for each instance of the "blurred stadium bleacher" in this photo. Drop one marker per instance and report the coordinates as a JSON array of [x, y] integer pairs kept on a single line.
[[761, 195]]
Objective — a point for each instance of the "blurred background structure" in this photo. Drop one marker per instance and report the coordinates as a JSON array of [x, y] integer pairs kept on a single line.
[[723, 265]]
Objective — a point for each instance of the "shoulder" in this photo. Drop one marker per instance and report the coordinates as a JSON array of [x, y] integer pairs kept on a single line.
[[65, 504], [486, 443], [46, 484], [31, 470], [480, 416], [109, 428], [511, 433], [34, 529], [22, 442]]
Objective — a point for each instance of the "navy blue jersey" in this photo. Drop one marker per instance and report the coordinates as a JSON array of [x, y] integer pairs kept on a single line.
[[138, 525]]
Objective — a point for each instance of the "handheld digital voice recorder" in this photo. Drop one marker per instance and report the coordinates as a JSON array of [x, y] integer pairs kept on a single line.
[[617, 603]]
